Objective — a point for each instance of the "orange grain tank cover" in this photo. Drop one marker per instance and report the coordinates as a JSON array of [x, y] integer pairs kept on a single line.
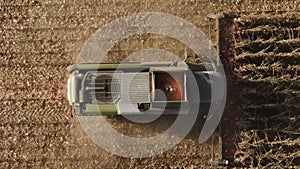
[[170, 87]]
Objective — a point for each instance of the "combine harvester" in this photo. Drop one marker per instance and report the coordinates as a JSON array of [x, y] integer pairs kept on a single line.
[[137, 88], [147, 88], [261, 63]]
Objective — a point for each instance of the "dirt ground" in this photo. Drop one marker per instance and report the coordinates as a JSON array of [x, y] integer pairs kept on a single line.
[[39, 39]]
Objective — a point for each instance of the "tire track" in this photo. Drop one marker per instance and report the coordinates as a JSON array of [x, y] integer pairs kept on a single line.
[[35, 115], [30, 47], [45, 82], [42, 34], [36, 59]]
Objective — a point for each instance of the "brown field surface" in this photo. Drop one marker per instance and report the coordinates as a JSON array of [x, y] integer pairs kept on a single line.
[[39, 39]]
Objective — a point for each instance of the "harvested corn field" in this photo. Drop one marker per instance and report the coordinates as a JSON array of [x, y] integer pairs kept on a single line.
[[39, 39]]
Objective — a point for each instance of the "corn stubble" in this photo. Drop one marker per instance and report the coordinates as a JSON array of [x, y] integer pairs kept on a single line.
[[267, 52]]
